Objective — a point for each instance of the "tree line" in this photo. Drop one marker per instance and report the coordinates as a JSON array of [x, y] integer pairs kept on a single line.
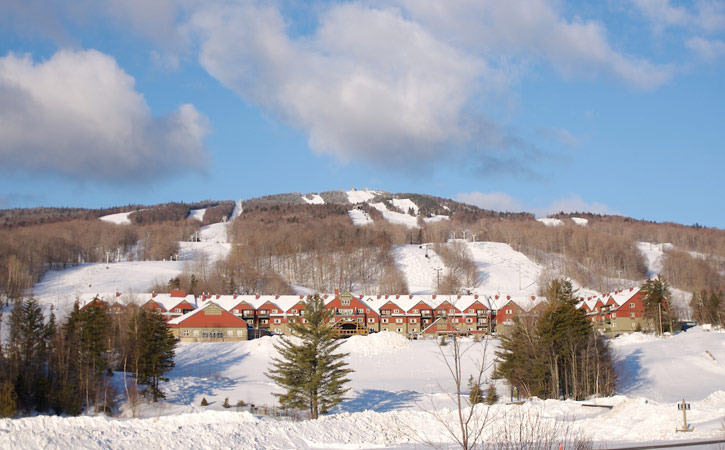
[[558, 353], [67, 367]]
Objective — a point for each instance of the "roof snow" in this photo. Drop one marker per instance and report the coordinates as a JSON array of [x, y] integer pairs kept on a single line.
[[197, 214], [313, 199], [550, 221], [118, 219]]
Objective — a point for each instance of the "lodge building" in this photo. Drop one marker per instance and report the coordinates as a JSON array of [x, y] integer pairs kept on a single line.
[[239, 317]]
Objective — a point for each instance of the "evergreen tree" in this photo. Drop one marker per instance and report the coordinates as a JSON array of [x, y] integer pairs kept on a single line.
[[474, 391], [557, 354], [492, 396], [657, 301], [308, 369], [27, 350], [153, 351], [95, 327]]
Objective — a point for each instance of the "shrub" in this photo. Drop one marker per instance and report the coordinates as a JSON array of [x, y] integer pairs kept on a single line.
[[204, 402], [241, 404], [226, 403]]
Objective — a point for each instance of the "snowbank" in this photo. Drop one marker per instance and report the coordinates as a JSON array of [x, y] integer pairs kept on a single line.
[[376, 344], [550, 221], [197, 214]]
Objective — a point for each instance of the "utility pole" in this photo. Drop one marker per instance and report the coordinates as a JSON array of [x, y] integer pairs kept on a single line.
[[438, 270], [659, 308]]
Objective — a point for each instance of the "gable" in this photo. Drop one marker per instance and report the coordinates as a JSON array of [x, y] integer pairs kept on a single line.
[[212, 316]]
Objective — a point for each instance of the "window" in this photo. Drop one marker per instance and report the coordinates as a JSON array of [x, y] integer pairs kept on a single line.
[[399, 330], [236, 311], [398, 320], [469, 320], [452, 311], [212, 334], [396, 311], [345, 301], [294, 311], [509, 311], [230, 333], [265, 321], [631, 305], [196, 333], [415, 311], [454, 320], [470, 311], [177, 310], [274, 311], [413, 320], [614, 315], [345, 312], [250, 322], [185, 333], [367, 310], [631, 315], [332, 320], [277, 321], [240, 333], [371, 320], [385, 320]]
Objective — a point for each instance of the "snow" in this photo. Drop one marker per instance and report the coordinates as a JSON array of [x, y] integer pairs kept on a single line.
[[118, 219], [314, 199], [238, 209], [653, 255], [396, 217], [197, 214], [360, 217], [550, 221], [504, 270], [365, 195], [419, 270], [580, 221], [395, 385], [405, 204]]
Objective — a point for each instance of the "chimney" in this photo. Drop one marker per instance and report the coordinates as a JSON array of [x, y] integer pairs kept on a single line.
[[508, 297], [459, 296], [337, 292], [533, 297], [300, 296], [397, 296], [378, 296], [235, 296], [630, 289], [496, 297], [325, 296], [386, 296], [476, 296], [410, 295], [118, 294], [361, 296], [276, 297], [256, 296], [153, 294], [434, 296], [217, 296]]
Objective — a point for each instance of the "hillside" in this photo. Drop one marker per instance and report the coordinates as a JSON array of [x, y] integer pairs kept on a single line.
[[359, 240]]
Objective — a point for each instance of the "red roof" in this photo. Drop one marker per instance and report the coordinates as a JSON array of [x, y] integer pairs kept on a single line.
[[200, 319], [178, 293]]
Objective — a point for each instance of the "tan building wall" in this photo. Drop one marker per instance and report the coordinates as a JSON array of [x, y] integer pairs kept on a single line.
[[220, 334]]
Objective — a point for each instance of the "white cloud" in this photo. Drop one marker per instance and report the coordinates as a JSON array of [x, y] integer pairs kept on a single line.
[[368, 85], [705, 15], [574, 203], [500, 201], [77, 114], [561, 135], [535, 29], [706, 49], [496, 201]]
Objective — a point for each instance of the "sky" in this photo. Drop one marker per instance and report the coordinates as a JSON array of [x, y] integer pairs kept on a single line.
[[614, 107]]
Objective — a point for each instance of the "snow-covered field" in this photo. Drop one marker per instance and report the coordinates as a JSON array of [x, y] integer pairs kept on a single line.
[[395, 385]]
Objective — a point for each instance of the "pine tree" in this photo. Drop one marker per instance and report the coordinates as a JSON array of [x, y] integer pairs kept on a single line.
[[657, 300], [475, 395], [153, 351], [308, 369], [491, 395]]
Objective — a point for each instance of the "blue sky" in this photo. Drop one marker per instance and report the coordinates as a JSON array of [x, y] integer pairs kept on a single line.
[[534, 105]]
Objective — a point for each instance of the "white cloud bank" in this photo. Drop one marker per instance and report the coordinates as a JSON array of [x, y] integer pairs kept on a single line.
[[499, 201], [400, 83], [78, 114]]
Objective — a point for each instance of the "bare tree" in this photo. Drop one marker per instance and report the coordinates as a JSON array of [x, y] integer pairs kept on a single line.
[[471, 419]]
